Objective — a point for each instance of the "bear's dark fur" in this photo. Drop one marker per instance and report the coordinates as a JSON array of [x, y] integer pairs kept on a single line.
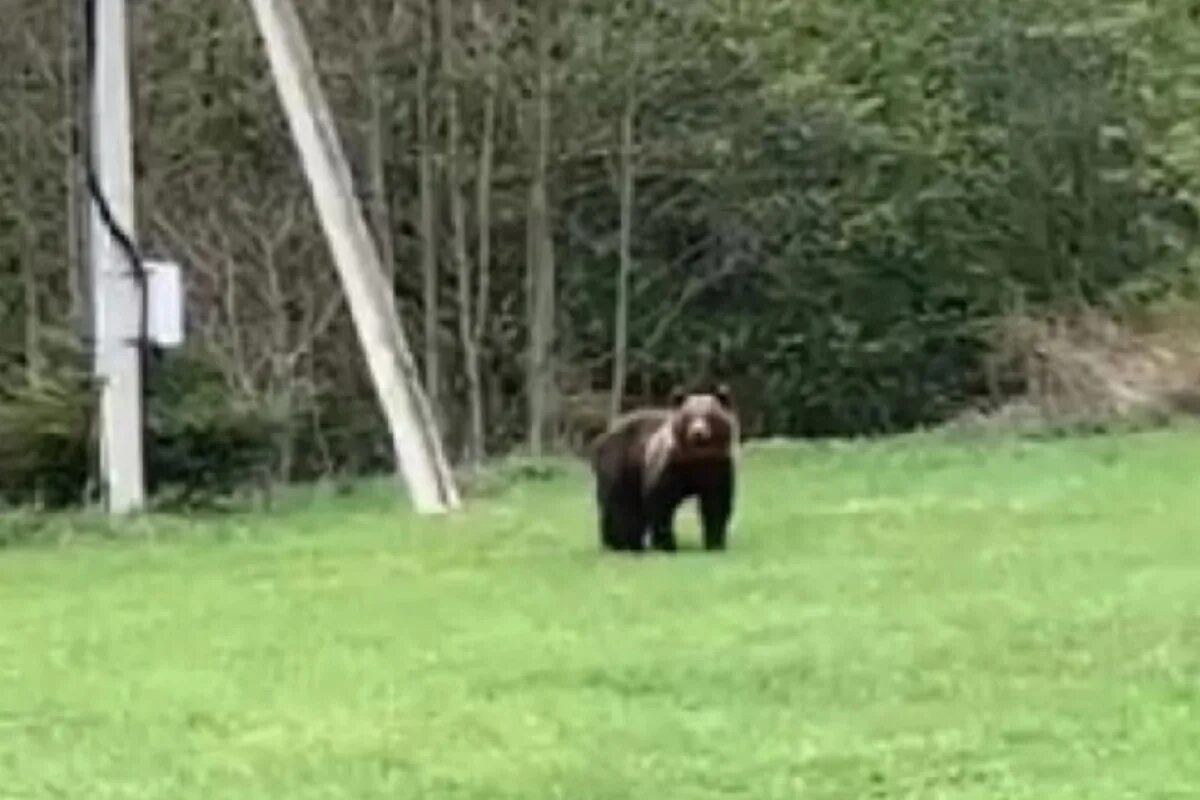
[[650, 460]]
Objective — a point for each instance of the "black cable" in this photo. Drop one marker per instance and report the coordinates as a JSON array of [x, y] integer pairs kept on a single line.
[[114, 227]]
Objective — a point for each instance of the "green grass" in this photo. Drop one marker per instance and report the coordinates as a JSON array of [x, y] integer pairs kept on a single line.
[[911, 619]]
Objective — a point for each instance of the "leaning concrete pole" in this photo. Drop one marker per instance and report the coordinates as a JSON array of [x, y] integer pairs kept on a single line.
[[415, 438]]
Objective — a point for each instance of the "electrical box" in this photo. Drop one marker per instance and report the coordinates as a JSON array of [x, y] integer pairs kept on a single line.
[[165, 302]]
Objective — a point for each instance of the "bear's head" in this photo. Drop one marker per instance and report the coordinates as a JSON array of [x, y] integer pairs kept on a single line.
[[704, 423]]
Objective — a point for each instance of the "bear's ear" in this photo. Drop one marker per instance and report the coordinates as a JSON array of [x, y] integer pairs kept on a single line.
[[677, 396], [724, 395]]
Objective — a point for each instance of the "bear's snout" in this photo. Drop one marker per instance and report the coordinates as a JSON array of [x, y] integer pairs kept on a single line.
[[698, 431]]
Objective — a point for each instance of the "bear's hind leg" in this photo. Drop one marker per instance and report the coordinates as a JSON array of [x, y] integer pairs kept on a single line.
[[662, 535], [609, 532], [609, 535], [631, 529]]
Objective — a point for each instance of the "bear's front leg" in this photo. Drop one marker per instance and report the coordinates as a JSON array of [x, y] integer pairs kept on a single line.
[[622, 518], [630, 528], [660, 512], [716, 507]]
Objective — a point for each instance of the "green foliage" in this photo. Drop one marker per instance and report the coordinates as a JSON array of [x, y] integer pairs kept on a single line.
[[206, 443], [202, 444], [914, 619], [500, 477], [25, 527], [889, 182], [46, 436], [835, 201]]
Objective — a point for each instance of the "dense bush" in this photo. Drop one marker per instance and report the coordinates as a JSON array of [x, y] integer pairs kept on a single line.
[[204, 443], [45, 440], [201, 444]]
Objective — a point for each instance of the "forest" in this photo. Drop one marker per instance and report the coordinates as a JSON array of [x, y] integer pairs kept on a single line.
[[866, 216]]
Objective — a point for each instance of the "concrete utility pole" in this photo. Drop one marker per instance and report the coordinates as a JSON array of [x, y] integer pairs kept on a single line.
[[415, 438], [117, 299]]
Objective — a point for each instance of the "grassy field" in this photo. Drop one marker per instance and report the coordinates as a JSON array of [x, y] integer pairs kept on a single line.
[[910, 619]]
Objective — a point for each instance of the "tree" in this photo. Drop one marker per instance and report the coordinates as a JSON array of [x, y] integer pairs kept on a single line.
[[428, 221], [541, 284]]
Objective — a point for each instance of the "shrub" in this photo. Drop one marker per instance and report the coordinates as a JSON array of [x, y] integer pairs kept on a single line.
[[206, 443], [45, 440], [202, 441]]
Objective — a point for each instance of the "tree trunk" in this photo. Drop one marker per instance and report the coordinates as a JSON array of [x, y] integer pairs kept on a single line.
[[428, 204], [625, 269], [483, 200], [29, 280], [541, 267], [381, 214], [458, 220], [282, 380], [487, 151], [25, 164], [76, 201]]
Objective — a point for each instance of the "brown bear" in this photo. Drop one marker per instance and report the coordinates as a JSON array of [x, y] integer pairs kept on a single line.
[[650, 460]]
